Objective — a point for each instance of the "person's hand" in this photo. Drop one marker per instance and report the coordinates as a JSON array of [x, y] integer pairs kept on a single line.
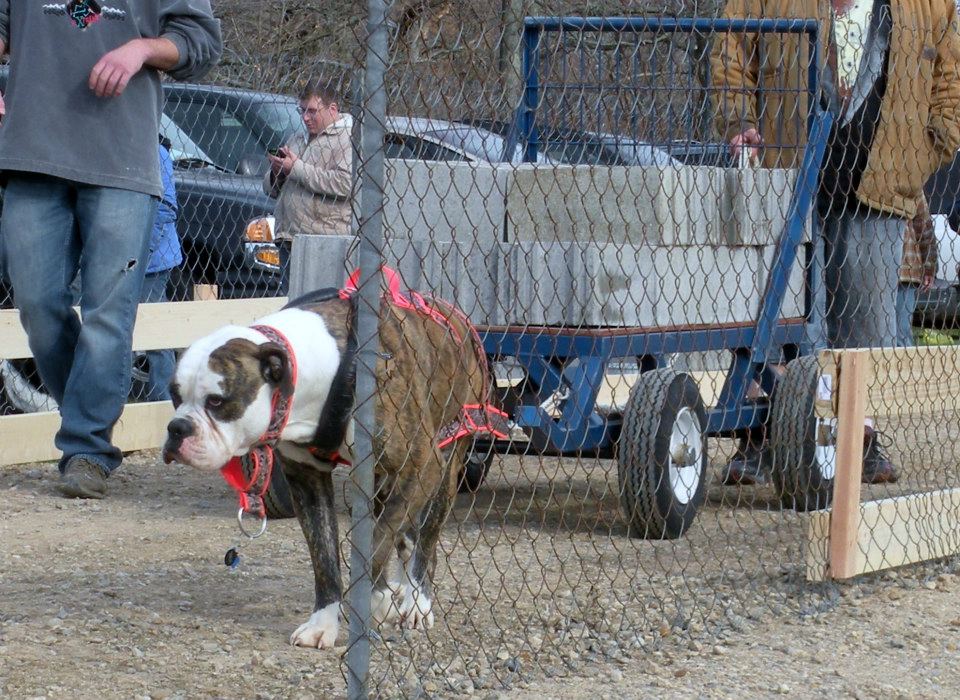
[[926, 282], [749, 139], [283, 163], [3, 107], [114, 70]]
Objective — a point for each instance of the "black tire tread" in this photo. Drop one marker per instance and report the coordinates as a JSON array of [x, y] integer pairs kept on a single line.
[[792, 439], [637, 466]]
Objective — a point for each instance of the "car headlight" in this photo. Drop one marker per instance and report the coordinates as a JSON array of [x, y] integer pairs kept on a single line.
[[260, 230]]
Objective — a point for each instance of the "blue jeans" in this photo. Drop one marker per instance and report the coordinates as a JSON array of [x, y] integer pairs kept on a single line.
[[857, 259], [51, 229], [161, 362], [906, 305]]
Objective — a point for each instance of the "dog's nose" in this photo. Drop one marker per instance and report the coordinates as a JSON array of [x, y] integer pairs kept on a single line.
[[179, 428]]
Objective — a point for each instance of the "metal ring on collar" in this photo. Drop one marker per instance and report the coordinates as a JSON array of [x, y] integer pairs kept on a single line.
[[263, 525]]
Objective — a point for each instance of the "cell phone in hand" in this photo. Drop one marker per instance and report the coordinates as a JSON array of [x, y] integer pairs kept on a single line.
[[277, 152]]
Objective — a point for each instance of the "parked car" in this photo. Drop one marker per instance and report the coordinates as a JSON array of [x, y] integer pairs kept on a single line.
[[578, 147]]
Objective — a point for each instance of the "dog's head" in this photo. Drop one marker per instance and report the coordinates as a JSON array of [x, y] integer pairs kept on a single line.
[[222, 393]]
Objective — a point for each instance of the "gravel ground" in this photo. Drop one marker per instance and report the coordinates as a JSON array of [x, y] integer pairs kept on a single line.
[[541, 595]]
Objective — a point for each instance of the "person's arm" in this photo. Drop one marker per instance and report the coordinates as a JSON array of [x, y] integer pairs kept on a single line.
[[734, 74], [922, 225], [114, 70], [189, 45], [333, 182], [944, 119]]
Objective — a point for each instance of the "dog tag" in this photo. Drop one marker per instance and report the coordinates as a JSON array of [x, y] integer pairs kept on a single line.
[[232, 558]]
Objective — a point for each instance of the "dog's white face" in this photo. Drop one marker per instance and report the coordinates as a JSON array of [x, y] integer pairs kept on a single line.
[[222, 392]]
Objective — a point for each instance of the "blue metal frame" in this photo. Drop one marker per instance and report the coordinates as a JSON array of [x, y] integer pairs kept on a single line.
[[545, 353]]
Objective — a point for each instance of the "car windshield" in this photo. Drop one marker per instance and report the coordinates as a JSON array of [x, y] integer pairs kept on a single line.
[[280, 117], [182, 146]]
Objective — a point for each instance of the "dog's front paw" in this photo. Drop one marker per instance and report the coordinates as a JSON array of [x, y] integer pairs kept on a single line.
[[416, 609], [321, 630], [383, 605]]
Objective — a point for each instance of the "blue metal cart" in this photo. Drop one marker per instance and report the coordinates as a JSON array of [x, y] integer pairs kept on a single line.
[[659, 439]]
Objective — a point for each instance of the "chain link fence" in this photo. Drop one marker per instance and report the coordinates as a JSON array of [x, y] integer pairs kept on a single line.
[[650, 303]]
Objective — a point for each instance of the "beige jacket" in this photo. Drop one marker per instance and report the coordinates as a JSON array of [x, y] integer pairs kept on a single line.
[[315, 196], [761, 82]]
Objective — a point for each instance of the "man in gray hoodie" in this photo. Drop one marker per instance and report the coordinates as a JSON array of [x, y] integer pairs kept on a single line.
[[78, 151]]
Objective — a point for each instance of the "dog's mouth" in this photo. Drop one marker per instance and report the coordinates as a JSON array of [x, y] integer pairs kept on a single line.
[[170, 455]]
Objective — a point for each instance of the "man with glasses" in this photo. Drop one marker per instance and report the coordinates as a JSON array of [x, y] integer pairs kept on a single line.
[[311, 177]]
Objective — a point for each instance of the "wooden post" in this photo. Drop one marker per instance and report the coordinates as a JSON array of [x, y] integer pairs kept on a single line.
[[854, 368]]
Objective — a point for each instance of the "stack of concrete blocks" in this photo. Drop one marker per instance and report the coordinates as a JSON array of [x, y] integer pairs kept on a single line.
[[577, 246], [661, 246]]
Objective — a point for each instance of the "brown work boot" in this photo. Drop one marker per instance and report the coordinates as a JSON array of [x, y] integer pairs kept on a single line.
[[877, 467], [83, 478]]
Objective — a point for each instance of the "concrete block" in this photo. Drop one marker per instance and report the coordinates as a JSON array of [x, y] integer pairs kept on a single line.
[[475, 281], [443, 201], [695, 217], [569, 284], [756, 205], [319, 261], [327, 261], [588, 204]]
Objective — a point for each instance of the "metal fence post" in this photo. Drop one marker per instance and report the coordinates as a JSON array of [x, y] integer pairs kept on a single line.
[[371, 176]]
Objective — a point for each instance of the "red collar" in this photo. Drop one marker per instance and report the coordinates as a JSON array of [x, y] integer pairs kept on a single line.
[[260, 465]]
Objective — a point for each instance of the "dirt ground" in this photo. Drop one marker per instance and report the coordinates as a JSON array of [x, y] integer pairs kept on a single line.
[[542, 595]]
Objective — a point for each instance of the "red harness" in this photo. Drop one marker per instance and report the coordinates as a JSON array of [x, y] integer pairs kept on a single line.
[[250, 491], [474, 419]]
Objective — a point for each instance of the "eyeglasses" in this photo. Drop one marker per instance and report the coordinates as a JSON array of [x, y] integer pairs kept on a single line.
[[311, 112]]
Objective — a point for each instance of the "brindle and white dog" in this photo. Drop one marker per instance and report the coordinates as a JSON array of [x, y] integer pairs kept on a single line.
[[426, 373]]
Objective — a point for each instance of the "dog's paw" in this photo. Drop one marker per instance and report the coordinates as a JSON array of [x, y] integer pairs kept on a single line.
[[416, 609], [383, 605], [320, 631]]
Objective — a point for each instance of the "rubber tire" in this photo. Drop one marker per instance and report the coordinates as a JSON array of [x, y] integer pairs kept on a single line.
[[474, 472], [797, 477], [277, 500], [643, 455]]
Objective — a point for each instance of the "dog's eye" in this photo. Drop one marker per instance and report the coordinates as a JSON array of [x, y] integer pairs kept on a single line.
[[214, 401], [175, 398]]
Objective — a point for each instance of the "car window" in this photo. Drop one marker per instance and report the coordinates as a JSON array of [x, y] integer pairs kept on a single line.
[[575, 150], [218, 131], [280, 117], [417, 148], [182, 146]]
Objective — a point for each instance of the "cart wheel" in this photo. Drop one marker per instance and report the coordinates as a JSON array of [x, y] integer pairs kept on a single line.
[[276, 500], [476, 466], [662, 455], [803, 447]]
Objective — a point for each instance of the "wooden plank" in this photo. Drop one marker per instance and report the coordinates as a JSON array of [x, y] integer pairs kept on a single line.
[[892, 532], [29, 437], [855, 368], [169, 325], [205, 292], [616, 388], [914, 380]]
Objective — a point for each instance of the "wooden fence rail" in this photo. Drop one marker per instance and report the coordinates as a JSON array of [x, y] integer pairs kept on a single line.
[[29, 437]]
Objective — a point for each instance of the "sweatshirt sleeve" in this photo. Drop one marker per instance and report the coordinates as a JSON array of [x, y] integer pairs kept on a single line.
[[734, 72], [944, 119], [191, 26], [5, 24]]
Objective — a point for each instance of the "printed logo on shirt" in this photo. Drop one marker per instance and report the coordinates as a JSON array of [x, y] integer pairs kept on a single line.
[[84, 13]]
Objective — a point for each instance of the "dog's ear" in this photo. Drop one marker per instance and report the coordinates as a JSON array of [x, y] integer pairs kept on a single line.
[[275, 365]]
